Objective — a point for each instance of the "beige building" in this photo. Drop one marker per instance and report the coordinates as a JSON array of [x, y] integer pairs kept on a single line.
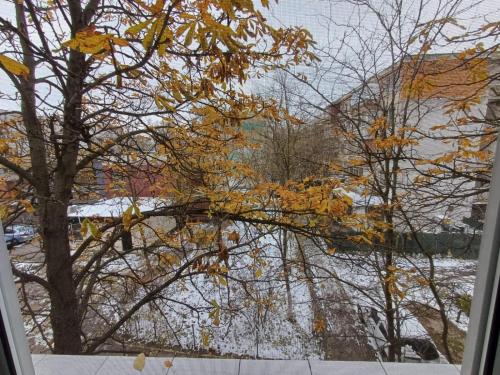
[[442, 108]]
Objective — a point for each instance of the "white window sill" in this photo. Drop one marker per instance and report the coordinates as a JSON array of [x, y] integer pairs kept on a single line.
[[118, 365]]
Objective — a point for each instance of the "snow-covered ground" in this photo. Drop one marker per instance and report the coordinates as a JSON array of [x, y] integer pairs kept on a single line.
[[245, 314], [251, 303], [361, 277]]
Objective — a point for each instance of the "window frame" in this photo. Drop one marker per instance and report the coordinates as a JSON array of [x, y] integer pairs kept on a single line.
[[481, 345], [17, 352]]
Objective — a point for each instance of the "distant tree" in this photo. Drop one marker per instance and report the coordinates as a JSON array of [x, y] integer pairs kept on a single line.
[[289, 148]]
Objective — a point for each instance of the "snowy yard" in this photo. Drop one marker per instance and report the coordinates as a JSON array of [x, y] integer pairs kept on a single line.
[[246, 313]]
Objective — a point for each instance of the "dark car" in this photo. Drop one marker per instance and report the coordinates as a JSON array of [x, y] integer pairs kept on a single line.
[[18, 234]]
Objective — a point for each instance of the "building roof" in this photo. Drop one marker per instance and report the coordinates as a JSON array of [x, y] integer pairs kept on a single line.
[[359, 200], [446, 72], [115, 207]]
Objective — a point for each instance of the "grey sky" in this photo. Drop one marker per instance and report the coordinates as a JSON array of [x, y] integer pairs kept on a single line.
[[313, 14], [330, 21], [327, 20]]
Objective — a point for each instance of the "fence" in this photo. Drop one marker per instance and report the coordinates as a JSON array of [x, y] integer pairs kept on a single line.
[[459, 245]]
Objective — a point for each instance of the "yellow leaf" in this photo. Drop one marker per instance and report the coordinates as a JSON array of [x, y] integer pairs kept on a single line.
[[89, 225], [94, 231], [14, 66], [163, 103], [439, 127], [222, 280], [182, 29], [119, 41], [216, 320], [205, 337], [4, 211], [168, 363], [147, 42], [84, 227], [169, 259], [92, 42], [422, 281], [258, 273], [136, 29], [189, 35], [177, 95], [127, 218], [137, 210], [166, 40], [140, 362], [215, 313]]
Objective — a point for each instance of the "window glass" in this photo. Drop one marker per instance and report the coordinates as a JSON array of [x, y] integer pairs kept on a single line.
[[249, 179]]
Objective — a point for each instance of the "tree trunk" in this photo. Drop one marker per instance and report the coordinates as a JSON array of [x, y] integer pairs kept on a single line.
[[309, 277], [390, 315], [64, 305], [390, 309], [64, 310], [286, 276], [442, 311]]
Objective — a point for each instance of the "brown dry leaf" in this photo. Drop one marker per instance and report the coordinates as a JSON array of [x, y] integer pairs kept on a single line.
[[234, 236], [319, 325]]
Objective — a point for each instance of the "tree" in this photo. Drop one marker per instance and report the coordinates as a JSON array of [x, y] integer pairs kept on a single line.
[[402, 110], [289, 148], [88, 79]]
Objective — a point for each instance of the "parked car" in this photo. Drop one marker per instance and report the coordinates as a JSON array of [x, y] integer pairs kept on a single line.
[[17, 234]]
